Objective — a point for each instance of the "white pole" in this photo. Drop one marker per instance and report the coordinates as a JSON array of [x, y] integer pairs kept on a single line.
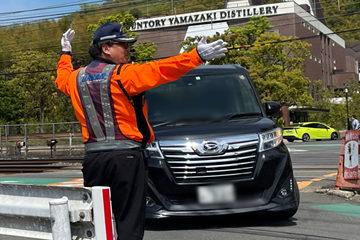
[[70, 142], [102, 213], [59, 217]]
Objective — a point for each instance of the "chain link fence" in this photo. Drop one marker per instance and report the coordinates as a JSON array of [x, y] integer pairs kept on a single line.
[[41, 140]]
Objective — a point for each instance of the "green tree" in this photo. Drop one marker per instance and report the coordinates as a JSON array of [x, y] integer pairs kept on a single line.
[[328, 98], [37, 87], [344, 19], [144, 51], [136, 12], [274, 62], [12, 104], [278, 69]]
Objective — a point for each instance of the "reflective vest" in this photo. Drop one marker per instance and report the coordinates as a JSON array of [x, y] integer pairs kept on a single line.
[[93, 84]]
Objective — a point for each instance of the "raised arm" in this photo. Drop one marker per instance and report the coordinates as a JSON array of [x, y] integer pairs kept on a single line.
[[64, 66], [141, 77]]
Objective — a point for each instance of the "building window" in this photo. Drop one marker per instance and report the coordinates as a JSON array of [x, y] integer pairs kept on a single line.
[[274, 31], [319, 60], [303, 23], [334, 61], [334, 68], [318, 32], [310, 56], [313, 30], [333, 44], [356, 66], [308, 27], [315, 59]]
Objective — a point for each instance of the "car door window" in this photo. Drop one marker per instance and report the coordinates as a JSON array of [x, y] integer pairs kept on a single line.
[[322, 131], [321, 126], [311, 125]]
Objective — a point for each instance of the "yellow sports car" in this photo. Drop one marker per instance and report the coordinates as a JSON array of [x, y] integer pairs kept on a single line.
[[310, 130]]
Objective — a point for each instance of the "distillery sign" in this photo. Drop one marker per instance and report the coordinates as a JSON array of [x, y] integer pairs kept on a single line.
[[205, 17]]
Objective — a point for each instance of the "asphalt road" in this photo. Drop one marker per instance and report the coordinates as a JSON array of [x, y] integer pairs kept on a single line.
[[314, 159]]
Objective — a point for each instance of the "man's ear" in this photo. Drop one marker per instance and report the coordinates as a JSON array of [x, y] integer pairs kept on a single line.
[[106, 48]]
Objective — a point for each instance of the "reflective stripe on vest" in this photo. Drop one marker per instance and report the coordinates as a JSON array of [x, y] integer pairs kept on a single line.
[[108, 142]]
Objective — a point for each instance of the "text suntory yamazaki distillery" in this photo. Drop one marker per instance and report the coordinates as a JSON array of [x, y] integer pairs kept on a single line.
[[202, 17]]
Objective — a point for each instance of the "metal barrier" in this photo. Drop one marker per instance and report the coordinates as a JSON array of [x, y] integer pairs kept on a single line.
[[44, 212]]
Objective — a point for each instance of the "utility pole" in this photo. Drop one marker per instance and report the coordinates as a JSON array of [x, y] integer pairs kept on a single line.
[[339, 5], [172, 7], [347, 108]]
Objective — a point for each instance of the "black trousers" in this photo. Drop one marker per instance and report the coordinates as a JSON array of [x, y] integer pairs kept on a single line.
[[126, 173]]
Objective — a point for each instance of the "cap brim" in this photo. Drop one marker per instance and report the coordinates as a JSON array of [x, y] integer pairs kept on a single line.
[[126, 39]]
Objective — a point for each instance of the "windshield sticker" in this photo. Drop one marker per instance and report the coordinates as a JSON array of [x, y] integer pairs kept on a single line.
[[242, 77]]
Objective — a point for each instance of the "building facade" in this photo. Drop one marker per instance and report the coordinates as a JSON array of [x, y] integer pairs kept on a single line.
[[330, 61]]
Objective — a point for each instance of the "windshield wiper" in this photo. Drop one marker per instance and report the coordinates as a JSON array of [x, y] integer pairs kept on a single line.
[[236, 115]]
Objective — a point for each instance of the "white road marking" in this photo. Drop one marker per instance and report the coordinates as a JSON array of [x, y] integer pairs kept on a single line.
[[297, 150]]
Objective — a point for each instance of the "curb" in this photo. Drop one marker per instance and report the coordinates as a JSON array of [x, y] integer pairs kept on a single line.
[[348, 194]]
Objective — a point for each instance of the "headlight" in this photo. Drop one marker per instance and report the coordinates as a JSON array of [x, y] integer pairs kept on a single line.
[[154, 150], [270, 139]]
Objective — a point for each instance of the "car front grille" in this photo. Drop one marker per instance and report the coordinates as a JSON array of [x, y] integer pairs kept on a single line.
[[187, 167]]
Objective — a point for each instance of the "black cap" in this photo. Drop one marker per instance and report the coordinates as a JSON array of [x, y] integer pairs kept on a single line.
[[111, 31]]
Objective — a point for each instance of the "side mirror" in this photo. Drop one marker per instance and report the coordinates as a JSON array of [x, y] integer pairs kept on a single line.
[[272, 108]]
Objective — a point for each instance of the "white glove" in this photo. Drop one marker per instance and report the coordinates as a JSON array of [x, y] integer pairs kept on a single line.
[[65, 40], [211, 50]]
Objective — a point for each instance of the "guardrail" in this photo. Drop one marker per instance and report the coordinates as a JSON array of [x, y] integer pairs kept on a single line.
[[46, 212]]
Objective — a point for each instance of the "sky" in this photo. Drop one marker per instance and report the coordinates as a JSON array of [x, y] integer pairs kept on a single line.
[[8, 6]]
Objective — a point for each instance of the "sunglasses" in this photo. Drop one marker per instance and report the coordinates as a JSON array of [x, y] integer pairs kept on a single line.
[[123, 44]]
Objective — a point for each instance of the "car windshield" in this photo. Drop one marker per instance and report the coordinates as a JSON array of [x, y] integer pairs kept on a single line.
[[199, 98]]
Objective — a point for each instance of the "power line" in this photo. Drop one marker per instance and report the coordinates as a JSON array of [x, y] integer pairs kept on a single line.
[[49, 7], [175, 30], [229, 48], [82, 53], [109, 7], [81, 36], [153, 33]]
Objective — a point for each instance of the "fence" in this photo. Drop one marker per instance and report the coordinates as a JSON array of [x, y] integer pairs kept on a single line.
[[34, 140]]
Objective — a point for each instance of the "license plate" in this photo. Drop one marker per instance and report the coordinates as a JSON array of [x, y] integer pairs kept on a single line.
[[216, 194]]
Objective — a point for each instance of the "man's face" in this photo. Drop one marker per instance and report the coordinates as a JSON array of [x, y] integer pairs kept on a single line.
[[118, 52]]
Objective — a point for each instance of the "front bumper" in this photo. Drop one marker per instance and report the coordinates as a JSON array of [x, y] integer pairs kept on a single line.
[[157, 213], [273, 172]]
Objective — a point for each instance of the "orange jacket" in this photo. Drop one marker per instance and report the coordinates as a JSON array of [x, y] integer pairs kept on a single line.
[[135, 79]]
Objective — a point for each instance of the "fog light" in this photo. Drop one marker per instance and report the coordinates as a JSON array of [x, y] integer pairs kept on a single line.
[[149, 202], [284, 192]]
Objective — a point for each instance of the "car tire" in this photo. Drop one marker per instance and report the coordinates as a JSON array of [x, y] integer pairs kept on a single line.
[[334, 136], [305, 137], [290, 140]]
